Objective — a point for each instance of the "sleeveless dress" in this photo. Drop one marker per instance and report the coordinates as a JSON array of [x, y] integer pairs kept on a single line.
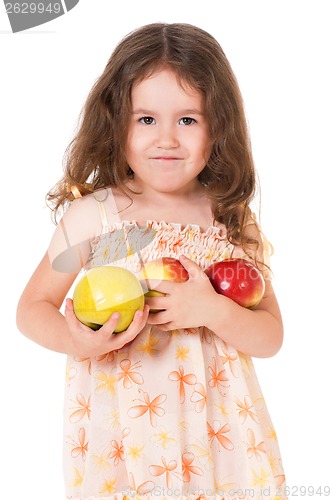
[[177, 414]]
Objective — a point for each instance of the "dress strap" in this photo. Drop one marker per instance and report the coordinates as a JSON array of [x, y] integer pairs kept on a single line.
[[100, 197]]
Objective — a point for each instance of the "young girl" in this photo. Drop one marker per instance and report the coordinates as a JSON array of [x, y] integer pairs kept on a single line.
[[161, 166]]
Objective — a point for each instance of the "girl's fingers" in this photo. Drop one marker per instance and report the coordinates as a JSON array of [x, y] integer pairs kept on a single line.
[[157, 303], [110, 324], [69, 312], [105, 339], [139, 318], [138, 323]]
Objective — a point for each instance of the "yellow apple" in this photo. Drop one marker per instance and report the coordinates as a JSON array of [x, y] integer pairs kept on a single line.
[[105, 290]]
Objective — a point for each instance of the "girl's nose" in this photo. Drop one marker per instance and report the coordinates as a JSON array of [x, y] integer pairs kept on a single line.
[[167, 138]]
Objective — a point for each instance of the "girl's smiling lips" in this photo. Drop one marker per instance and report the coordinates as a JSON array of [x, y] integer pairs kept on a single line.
[[165, 157]]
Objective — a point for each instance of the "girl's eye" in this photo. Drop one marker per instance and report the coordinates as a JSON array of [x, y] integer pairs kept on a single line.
[[187, 121], [147, 120]]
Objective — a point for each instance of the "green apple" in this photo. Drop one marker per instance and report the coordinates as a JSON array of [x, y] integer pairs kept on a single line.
[[105, 290]]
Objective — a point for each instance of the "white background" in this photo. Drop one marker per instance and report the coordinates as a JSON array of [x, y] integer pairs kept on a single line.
[[281, 54]]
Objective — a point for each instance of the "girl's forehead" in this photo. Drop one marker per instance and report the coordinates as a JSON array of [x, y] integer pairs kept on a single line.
[[168, 77]]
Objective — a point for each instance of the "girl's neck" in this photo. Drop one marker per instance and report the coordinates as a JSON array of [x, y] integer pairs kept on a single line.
[[189, 194], [192, 207]]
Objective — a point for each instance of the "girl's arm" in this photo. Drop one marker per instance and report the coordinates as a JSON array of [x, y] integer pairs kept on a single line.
[[39, 318], [38, 311], [38, 315], [257, 332]]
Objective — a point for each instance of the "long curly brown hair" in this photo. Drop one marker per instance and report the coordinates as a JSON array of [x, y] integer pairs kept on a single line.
[[96, 157]]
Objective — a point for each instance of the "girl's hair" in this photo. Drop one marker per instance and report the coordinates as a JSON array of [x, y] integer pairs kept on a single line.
[[96, 156]]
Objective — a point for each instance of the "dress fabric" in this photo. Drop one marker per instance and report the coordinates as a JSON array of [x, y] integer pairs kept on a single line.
[[177, 414]]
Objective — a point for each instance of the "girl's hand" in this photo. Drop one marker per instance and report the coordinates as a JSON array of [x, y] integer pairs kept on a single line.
[[89, 343], [185, 305]]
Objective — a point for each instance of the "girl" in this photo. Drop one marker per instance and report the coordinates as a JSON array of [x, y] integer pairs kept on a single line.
[[161, 166]]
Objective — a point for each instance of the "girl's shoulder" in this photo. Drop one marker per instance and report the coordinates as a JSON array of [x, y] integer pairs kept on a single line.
[[90, 207], [83, 220]]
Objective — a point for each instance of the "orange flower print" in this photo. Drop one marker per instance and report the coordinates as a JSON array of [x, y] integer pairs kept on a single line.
[[206, 335], [153, 407], [141, 489], [245, 410], [80, 447], [199, 397], [167, 469], [218, 379], [82, 360], [81, 410], [128, 374], [188, 468], [253, 448], [180, 377], [118, 452], [231, 358], [109, 357], [218, 433]]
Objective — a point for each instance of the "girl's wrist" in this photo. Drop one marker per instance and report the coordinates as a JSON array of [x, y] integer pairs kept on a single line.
[[217, 313]]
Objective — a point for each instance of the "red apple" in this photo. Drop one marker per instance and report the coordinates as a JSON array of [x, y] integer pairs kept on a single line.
[[237, 279], [164, 268]]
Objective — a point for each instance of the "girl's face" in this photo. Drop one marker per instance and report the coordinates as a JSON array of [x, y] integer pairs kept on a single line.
[[168, 141]]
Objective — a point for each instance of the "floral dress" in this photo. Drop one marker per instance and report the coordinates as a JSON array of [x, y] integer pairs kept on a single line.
[[177, 414]]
